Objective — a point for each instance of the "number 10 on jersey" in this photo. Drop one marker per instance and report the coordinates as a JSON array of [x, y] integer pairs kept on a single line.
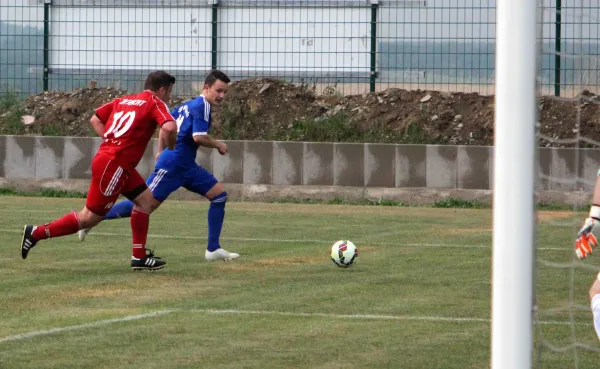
[[121, 123]]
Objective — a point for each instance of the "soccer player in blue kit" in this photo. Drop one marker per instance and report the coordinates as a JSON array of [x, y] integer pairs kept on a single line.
[[177, 168]]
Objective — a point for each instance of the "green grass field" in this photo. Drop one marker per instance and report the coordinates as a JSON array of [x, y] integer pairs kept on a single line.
[[418, 296]]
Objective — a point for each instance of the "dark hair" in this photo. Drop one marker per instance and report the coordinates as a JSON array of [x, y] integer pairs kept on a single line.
[[158, 79], [214, 76]]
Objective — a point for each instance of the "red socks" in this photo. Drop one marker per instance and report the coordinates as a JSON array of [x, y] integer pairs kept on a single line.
[[140, 222], [68, 224]]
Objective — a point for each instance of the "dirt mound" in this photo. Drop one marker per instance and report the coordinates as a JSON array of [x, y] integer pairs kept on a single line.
[[256, 108], [253, 108], [558, 121], [67, 112], [449, 118], [62, 113], [271, 109]]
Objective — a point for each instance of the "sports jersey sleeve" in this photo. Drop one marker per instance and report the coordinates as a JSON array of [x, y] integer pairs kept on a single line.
[[160, 112], [103, 112], [201, 117]]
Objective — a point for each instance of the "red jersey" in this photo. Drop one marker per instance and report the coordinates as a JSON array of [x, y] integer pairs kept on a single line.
[[130, 122]]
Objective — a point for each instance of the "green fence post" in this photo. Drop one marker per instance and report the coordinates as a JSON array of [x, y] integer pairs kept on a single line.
[[215, 30], [557, 46], [373, 74], [46, 56]]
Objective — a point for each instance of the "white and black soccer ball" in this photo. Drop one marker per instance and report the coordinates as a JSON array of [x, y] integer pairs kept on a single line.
[[344, 253]]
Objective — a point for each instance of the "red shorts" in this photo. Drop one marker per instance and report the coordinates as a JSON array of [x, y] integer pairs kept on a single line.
[[109, 179]]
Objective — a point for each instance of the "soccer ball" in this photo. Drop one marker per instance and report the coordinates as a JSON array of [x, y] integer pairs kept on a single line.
[[344, 253]]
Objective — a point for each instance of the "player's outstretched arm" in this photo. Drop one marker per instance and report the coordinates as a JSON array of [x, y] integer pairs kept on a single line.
[[169, 132], [588, 235], [207, 140], [97, 125]]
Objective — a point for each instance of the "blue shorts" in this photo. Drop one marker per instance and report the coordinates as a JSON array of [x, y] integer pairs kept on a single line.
[[164, 181]]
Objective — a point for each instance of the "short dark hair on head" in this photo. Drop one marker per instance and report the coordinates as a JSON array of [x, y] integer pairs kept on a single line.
[[214, 76], [158, 79]]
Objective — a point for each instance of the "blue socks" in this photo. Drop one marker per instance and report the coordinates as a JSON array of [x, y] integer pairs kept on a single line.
[[216, 214], [120, 210]]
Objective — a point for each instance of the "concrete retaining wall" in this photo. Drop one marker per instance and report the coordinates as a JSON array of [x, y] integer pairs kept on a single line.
[[311, 164]]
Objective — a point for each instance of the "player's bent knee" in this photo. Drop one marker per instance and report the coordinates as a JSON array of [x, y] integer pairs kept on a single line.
[[215, 191], [219, 199], [89, 219], [154, 204], [146, 201]]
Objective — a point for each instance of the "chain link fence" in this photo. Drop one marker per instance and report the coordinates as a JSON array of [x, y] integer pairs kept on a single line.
[[338, 46]]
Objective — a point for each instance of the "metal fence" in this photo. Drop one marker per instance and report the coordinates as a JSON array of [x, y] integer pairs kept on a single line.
[[346, 46]]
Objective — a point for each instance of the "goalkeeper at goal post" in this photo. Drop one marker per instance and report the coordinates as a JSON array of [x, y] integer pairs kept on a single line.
[[587, 240]]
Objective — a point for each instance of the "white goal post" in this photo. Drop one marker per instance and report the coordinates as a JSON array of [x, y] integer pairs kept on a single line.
[[514, 181]]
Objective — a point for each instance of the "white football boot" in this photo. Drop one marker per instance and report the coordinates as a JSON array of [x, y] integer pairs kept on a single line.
[[82, 233], [220, 254]]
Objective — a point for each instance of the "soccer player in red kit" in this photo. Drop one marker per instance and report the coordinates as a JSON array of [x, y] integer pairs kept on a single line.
[[126, 124]]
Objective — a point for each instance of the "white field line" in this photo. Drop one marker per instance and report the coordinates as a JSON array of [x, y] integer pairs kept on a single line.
[[345, 316], [98, 323], [291, 240], [434, 319], [370, 316]]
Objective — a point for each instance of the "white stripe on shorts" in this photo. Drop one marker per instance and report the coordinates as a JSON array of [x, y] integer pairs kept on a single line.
[[113, 182], [161, 173]]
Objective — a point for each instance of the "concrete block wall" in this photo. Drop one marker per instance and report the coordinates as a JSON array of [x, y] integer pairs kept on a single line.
[[308, 163]]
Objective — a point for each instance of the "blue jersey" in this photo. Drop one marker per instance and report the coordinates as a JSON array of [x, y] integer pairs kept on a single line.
[[193, 119]]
